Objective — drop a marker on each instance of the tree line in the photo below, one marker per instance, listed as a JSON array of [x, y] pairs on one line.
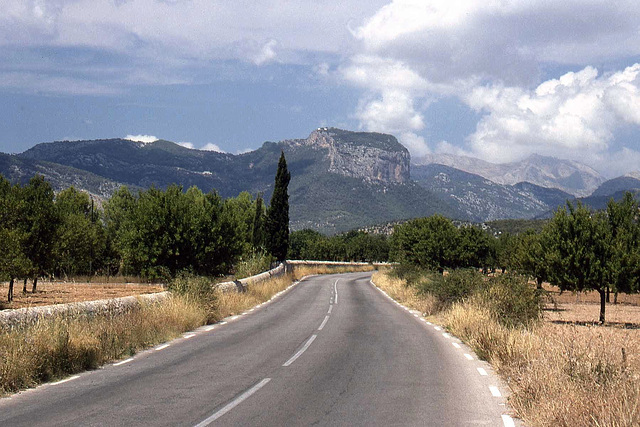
[[153, 233], [577, 250]]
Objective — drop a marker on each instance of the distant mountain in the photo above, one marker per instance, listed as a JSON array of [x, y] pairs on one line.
[[340, 179], [620, 184], [567, 175], [484, 200]]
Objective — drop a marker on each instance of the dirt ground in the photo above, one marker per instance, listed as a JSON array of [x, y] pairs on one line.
[[49, 293], [584, 308]]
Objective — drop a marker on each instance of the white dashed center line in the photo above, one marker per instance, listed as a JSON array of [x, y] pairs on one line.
[[494, 391], [123, 362], [302, 350], [235, 402], [335, 289]]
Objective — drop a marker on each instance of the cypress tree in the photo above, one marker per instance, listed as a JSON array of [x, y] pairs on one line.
[[277, 224]]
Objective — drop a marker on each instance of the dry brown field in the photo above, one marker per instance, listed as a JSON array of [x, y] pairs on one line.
[[49, 293]]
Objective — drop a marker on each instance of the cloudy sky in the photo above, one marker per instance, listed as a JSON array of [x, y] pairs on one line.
[[495, 79]]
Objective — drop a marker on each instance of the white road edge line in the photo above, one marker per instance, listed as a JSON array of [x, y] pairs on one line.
[[494, 391], [324, 322], [446, 335], [468, 356], [162, 347], [330, 308], [186, 337], [482, 372], [437, 328], [209, 328], [299, 353], [124, 361], [66, 380], [456, 345], [507, 421], [235, 402], [335, 288]]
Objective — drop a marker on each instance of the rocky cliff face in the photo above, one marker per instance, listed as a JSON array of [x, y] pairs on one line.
[[373, 157]]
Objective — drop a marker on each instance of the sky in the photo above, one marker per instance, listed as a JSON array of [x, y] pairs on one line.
[[494, 79]]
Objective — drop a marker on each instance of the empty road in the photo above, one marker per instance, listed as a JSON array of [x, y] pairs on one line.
[[332, 350]]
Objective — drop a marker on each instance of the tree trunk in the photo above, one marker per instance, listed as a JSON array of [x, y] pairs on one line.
[[35, 284], [603, 302], [615, 297], [10, 295], [608, 294], [539, 280], [24, 286], [503, 270]]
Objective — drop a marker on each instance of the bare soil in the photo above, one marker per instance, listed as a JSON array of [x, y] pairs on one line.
[[584, 308], [49, 293]]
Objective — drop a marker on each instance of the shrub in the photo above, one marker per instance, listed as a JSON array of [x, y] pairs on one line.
[[255, 263], [512, 300], [456, 286], [196, 289]]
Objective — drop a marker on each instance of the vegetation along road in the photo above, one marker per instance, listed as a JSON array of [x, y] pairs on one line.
[[332, 350]]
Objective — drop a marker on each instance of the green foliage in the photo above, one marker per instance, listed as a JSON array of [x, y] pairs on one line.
[[530, 255], [257, 230], [512, 300], [454, 287], [429, 243], [277, 224], [475, 248], [252, 264], [352, 246], [81, 241], [39, 222]]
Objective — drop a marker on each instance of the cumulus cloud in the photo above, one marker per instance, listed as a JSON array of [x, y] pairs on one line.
[[145, 139], [266, 53], [575, 115], [188, 145], [212, 147]]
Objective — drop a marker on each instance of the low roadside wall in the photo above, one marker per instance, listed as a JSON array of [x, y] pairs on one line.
[[10, 319]]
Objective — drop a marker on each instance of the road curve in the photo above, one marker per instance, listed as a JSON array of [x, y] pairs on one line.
[[333, 350]]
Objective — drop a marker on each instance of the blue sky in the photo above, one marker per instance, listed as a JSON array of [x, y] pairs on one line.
[[497, 79]]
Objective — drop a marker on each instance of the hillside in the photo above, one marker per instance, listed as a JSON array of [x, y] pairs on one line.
[[340, 179], [567, 175], [483, 200]]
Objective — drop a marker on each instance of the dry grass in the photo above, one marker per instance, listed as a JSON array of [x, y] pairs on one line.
[[60, 346], [408, 295], [301, 271], [49, 293], [560, 374]]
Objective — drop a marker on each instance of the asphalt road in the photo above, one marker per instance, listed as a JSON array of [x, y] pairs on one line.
[[332, 350]]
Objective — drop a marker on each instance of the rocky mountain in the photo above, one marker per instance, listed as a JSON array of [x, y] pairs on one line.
[[340, 179], [484, 200], [567, 175], [613, 186]]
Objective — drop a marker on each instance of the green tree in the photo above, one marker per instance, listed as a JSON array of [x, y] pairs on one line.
[[40, 222], [13, 261], [475, 248], [625, 236], [426, 242], [257, 229], [581, 251], [80, 244], [277, 224], [530, 255]]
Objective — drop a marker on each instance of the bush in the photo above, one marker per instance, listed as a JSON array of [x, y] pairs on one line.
[[411, 273], [512, 300], [196, 289], [255, 263], [456, 286]]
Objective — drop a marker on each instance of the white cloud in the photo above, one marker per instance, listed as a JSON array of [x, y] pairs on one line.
[[188, 145], [574, 116], [145, 139], [266, 53], [212, 147]]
